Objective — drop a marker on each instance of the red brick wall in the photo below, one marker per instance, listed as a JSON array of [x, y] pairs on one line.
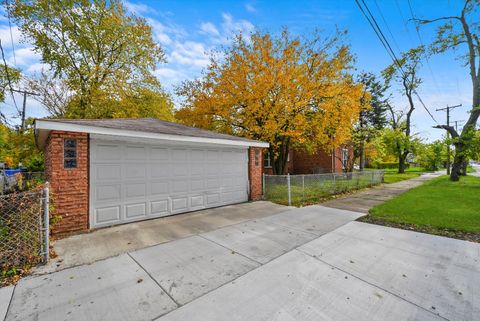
[[289, 167], [69, 186], [255, 171], [319, 162]]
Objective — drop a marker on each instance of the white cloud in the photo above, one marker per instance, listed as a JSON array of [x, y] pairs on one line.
[[139, 8], [189, 53], [250, 8], [7, 39], [209, 28], [25, 57]]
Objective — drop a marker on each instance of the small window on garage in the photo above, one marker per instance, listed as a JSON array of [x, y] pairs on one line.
[[69, 153], [257, 157], [267, 160]]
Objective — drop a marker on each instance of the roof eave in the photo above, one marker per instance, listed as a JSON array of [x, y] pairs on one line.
[[43, 127]]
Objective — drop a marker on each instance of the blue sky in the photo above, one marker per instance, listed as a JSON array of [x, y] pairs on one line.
[[187, 30]]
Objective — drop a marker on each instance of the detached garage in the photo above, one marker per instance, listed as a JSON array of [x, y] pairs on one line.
[[113, 171]]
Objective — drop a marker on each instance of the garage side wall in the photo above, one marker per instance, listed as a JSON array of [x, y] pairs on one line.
[[255, 171], [68, 186]]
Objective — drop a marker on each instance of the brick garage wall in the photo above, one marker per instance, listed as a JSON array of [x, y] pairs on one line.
[[255, 171], [69, 186]]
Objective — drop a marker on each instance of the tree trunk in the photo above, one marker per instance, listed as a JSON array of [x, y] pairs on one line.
[[402, 162], [362, 156]]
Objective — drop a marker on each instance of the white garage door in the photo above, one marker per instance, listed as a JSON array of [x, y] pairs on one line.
[[131, 181]]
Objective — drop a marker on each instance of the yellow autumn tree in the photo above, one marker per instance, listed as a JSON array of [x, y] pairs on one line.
[[286, 90]]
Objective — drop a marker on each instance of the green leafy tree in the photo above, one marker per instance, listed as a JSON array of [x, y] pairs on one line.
[[373, 116], [103, 55], [431, 156], [461, 33], [405, 73]]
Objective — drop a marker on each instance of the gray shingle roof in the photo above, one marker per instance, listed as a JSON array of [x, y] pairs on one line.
[[151, 125]]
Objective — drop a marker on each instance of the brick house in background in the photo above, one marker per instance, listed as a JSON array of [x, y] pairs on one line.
[[301, 162]]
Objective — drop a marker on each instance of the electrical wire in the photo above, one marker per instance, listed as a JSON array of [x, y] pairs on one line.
[[381, 36]]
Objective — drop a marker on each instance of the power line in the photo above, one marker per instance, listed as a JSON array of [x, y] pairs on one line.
[[378, 31], [7, 73], [11, 34], [422, 43], [386, 24]]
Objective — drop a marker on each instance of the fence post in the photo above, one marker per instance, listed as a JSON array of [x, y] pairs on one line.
[[334, 183], [303, 189], [46, 222], [289, 191], [263, 184]]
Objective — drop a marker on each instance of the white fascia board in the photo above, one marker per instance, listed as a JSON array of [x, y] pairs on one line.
[[54, 125]]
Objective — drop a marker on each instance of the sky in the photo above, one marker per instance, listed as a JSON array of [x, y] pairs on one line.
[[189, 30]]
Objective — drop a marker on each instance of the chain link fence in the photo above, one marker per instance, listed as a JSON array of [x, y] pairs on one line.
[[24, 230], [299, 190]]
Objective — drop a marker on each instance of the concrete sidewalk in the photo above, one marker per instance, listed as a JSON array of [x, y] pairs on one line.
[[364, 201], [148, 283]]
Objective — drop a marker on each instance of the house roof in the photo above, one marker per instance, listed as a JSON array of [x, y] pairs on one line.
[[141, 128]]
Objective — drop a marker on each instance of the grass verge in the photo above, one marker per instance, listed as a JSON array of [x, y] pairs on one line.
[[437, 207]]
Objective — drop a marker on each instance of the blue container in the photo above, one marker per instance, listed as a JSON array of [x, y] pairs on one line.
[[11, 171]]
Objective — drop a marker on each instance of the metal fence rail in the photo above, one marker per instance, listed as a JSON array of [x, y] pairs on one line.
[[24, 229], [310, 188]]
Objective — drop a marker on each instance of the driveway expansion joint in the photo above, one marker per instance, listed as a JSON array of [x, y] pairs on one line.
[[371, 284], [151, 277]]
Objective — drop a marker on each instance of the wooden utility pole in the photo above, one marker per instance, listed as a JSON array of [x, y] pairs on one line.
[[447, 109], [24, 107]]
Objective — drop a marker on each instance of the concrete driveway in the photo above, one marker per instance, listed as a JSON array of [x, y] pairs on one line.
[[311, 263]]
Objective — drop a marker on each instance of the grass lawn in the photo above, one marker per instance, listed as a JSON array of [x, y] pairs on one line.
[[438, 206], [392, 175]]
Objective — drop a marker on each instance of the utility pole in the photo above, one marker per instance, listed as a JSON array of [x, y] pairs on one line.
[[24, 107], [456, 124], [447, 109]]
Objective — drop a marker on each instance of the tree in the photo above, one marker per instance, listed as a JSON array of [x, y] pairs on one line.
[[97, 50], [405, 72], [430, 156], [285, 90], [372, 116], [456, 33], [53, 93]]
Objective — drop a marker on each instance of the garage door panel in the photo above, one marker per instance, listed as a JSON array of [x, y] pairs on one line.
[[197, 185], [135, 153], [180, 186], [111, 192], [180, 169], [106, 152], [197, 201], [159, 207], [159, 170], [135, 171], [135, 182], [107, 172], [135, 210], [159, 188], [135, 190], [107, 215], [159, 154], [213, 199], [179, 204]]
